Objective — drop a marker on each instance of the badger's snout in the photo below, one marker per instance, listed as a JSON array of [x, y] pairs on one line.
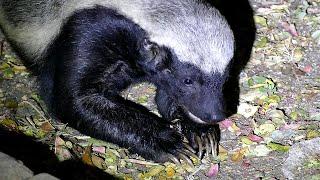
[[208, 118], [207, 111]]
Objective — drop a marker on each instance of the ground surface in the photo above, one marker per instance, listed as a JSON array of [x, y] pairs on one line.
[[274, 135]]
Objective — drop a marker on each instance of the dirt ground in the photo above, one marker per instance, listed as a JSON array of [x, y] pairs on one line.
[[274, 133]]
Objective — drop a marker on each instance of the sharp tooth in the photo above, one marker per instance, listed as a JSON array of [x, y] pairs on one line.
[[195, 118]]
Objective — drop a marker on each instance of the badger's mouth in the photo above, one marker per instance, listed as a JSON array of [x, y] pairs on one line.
[[195, 118]]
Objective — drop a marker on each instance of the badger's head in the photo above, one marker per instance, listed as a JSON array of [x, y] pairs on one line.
[[189, 60]]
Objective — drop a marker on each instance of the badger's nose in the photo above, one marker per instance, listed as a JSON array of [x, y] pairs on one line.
[[215, 117]]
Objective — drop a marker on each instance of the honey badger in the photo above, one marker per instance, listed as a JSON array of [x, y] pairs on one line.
[[86, 52]]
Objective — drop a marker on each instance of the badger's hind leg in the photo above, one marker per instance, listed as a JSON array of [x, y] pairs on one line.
[[95, 58]]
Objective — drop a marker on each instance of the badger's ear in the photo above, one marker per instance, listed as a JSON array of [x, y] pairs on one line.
[[153, 57]]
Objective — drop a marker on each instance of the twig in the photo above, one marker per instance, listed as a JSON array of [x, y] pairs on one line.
[[135, 161], [201, 167], [36, 109], [30, 121]]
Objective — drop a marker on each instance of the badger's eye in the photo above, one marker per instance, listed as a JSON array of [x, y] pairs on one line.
[[151, 46], [188, 82], [147, 44]]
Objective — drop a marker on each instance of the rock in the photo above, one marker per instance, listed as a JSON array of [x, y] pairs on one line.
[[299, 154], [43, 176], [11, 169]]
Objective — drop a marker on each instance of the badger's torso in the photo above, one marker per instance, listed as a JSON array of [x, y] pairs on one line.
[[197, 33]]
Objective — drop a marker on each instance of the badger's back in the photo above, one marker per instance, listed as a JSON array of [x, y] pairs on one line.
[[198, 34]]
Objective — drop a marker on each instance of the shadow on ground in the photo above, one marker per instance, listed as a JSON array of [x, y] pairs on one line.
[[39, 158], [239, 15]]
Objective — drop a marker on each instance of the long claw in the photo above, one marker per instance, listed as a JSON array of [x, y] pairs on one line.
[[186, 159], [216, 142], [214, 136], [208, 150], [189, 153], [189, 147], [174, 159], [200, 149], [193, 141], [213, 145]]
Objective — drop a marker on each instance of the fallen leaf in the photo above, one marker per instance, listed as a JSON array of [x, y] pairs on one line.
[[98, 162], [11, 103], [290, 28], [298, 114], [298, 54], [235, 129], [59, 142], [69, 145], [46, 126], [111, 157], [225, 124], [261, 150], [277, 117], [280, 136], [246, 140], [278, 147], [99, 149], [223, 153], [213, 171], [246, 163], [251, 95], [265, 129], [170, 172], [308, 69], [9, 123], [239, 155], [86, 157], [262, 42], [255, 138], [61, 150], [154, 171], [142, 99], [222, 149], [247, 110], [312, 134], [260, 20]]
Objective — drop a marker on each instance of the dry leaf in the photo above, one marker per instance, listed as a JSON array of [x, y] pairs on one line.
[[46, 127], [86, 157], [98, 162], [213, 171], [255, 138], [239, 155]]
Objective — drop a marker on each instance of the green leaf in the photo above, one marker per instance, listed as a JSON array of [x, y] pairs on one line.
[[262, 42], [260, 20], [278, 147]]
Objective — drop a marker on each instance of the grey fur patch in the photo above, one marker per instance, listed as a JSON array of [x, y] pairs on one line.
[[197, 33]]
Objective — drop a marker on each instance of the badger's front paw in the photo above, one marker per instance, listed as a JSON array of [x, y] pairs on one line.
[[204, 139], [170, 147]]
